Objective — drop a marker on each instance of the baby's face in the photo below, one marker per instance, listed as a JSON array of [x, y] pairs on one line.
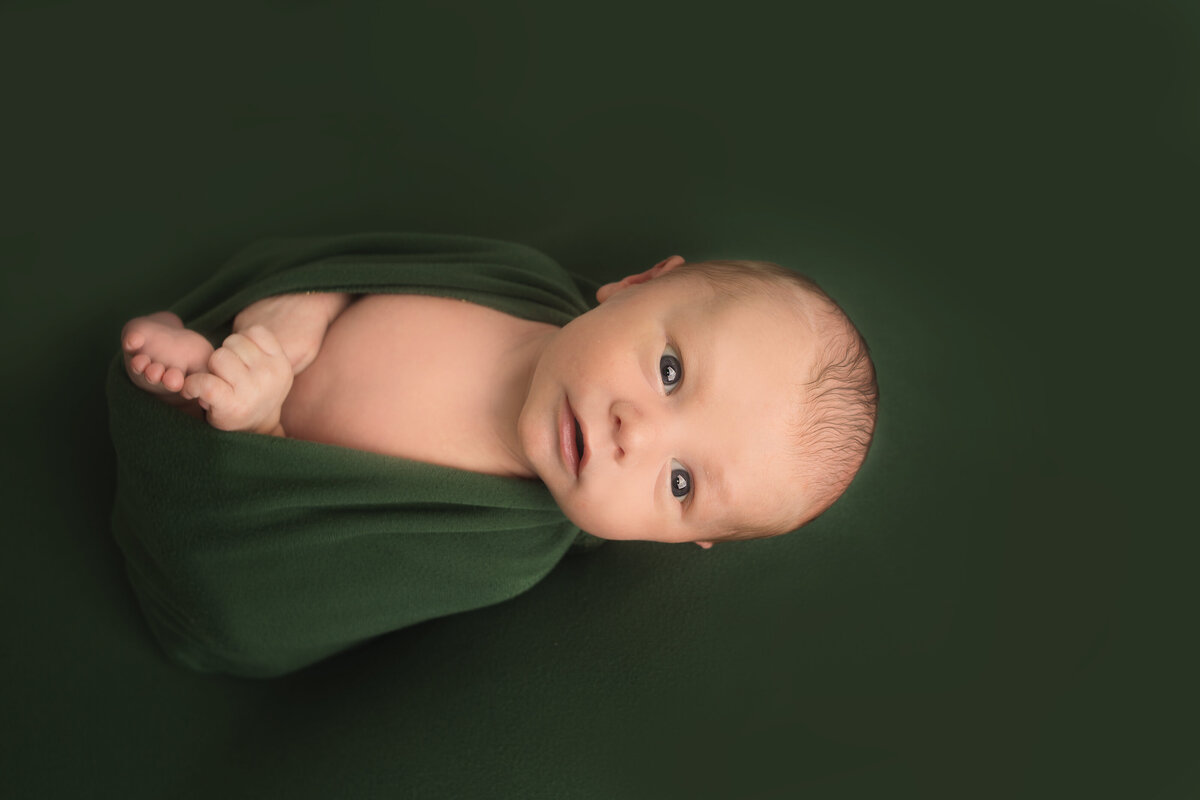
[[685, 402]]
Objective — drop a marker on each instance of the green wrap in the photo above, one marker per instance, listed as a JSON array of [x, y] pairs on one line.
[[256, 555]]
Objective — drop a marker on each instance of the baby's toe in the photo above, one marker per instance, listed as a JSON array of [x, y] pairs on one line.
[[139, 363], [154, 372], [134, 340], [172, 378]]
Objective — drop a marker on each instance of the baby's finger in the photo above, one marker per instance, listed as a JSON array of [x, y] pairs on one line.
[[245, 348], [207, 388], [264, 338], [228, 364], [249, 349]]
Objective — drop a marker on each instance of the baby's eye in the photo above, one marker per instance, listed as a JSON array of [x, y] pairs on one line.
[[670, 369], [681, 481]]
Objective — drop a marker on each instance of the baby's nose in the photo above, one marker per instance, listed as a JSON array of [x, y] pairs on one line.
[[633, 429]]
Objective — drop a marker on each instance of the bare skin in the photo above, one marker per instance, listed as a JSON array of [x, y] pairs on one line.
[[456, 384], [241, 385], [248, 377], [160, 353]]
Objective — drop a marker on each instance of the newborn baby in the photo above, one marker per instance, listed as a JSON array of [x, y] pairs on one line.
[[698, 402]]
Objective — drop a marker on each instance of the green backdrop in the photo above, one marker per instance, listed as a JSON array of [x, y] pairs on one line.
[[1003, 196]]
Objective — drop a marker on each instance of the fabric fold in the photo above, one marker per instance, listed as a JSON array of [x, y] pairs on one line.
[[256, 555]]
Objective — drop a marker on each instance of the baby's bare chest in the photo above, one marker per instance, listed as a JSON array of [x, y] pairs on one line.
[[411, 376]]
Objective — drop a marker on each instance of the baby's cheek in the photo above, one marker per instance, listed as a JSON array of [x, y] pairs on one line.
[[580, 511]]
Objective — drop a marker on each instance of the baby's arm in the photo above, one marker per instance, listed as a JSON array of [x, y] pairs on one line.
[[250, 375], [298, 321], [242, 384]]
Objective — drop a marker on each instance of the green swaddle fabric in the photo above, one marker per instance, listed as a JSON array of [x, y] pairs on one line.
[[256, 555]]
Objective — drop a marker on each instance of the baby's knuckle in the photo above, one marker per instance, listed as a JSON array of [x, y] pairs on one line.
[[224, 357]]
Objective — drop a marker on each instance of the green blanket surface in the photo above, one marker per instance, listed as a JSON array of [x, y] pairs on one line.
[[256, 555]]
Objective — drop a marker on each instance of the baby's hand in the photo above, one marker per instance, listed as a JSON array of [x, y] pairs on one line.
[[248, 378]]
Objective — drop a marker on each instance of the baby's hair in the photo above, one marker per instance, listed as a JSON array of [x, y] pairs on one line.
[[836, 424]]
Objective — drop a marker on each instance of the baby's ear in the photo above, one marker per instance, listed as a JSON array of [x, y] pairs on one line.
[[661, 268], [705, 545]]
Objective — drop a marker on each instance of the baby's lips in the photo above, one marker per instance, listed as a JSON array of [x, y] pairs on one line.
[[585, 452]]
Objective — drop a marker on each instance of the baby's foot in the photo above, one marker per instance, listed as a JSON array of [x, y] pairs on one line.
[[160, 352]]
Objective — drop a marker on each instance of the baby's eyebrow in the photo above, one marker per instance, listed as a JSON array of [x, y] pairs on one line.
[[702, 382]]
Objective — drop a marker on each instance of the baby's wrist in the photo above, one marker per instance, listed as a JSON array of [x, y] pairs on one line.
[[270, 427], [331, 304]]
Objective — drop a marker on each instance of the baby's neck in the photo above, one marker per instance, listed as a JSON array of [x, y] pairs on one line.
[[511, 380]]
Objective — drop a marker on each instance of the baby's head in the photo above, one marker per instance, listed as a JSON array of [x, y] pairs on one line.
[[832, 421], [702, 402]]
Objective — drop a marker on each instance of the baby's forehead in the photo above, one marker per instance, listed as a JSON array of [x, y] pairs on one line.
[[749, 408], [777, 320], [785, 300]]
